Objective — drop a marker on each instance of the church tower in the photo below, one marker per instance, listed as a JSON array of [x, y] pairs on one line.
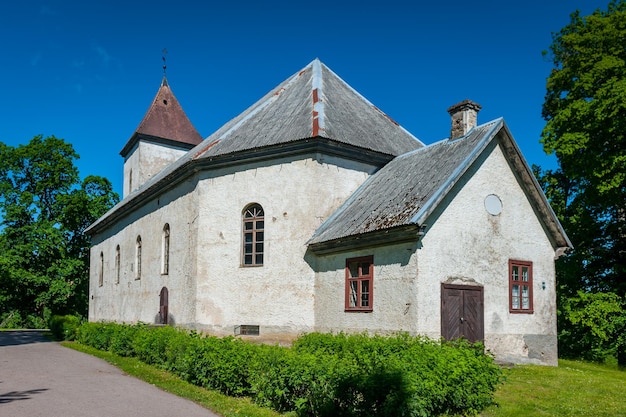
[[164, 135]]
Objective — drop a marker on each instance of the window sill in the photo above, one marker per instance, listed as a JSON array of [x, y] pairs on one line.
[[358, 310], [521, 311]]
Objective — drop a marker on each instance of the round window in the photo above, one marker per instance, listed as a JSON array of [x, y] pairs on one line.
[[493, 204]]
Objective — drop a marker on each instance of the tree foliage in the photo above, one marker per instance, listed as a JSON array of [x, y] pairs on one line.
[[45, 208], [585, 113]]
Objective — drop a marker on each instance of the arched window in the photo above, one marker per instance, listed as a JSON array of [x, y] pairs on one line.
[[117, 264], [138, 258], [253, 235], [101, 270], [165, 255]]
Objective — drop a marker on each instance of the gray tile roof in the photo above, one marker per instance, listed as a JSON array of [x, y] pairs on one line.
[[408, 187], [314, 102]]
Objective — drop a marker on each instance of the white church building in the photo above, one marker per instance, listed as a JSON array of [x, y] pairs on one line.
[[314, 211]]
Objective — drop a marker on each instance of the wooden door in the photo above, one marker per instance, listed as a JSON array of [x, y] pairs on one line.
[[462, 312], [163, 305]]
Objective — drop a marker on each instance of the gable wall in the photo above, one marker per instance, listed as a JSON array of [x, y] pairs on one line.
[[466, 245], [297, 195], [132, 300]]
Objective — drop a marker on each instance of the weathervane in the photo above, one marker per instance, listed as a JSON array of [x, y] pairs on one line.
[[164, 66]]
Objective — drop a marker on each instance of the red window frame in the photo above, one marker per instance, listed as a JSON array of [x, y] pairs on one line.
[[253, 236], [520, 287], [360, 284]]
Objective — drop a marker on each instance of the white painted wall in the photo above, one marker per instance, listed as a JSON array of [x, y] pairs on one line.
[[209, 289], [145, 160], [463, 245], [297, 195], [394, 297], [466, 244], [132, 300]]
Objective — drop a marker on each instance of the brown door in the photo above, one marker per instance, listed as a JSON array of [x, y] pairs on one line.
[[163, 305], [462, 312]]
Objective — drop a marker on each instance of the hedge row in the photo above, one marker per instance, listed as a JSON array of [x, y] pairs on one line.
[[321, 374]]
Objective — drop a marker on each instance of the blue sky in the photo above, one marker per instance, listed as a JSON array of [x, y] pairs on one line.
[[86, 71]]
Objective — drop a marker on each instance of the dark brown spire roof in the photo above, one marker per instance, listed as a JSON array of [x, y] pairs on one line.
[[165, 121]]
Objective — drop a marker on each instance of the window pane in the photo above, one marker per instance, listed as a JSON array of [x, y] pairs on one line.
[[247, 260], [515, 273], [247, 248], [525, 273], [365, 268], [260, 224], [365, 293], [259, 236], [248, 237], [354, 269], [259, 247], [353, 293], [248, 225], [525, 297], [515, 297], [259, 259]]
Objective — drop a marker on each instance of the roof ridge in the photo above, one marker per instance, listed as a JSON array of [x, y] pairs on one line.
[[317, 83]]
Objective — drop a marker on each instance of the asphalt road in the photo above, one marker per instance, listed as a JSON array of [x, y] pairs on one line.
[[42, 378]]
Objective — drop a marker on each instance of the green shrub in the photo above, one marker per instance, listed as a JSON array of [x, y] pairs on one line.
[[122, 339], [322, 374], [64, 327], [97, 335], [219, 363], [592, 327], [401, 375], [153, 345]]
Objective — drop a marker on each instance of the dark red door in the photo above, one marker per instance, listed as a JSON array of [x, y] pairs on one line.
[[163, 307], [462, 312]]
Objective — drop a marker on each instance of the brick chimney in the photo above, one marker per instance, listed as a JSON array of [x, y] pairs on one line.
[[464, 117]]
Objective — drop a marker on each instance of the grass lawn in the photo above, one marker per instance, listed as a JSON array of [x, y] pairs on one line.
[[570, 390]]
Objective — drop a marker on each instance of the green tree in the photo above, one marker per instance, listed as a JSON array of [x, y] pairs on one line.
[[585, 113], [45, 208]]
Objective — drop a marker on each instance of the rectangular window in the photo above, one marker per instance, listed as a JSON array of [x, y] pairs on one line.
[[117, 264], [359, 284], [101, 270], [520, 286]]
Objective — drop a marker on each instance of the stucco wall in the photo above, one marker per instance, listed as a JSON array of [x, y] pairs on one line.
[[209, 289], [394, 294], [132, 300], [464, 244], [145, 160], [297, 195]]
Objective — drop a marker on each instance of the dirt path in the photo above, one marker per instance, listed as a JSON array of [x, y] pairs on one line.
[[42, 378]]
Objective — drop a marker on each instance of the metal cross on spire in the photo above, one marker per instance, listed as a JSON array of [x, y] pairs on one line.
[[164, 64]]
